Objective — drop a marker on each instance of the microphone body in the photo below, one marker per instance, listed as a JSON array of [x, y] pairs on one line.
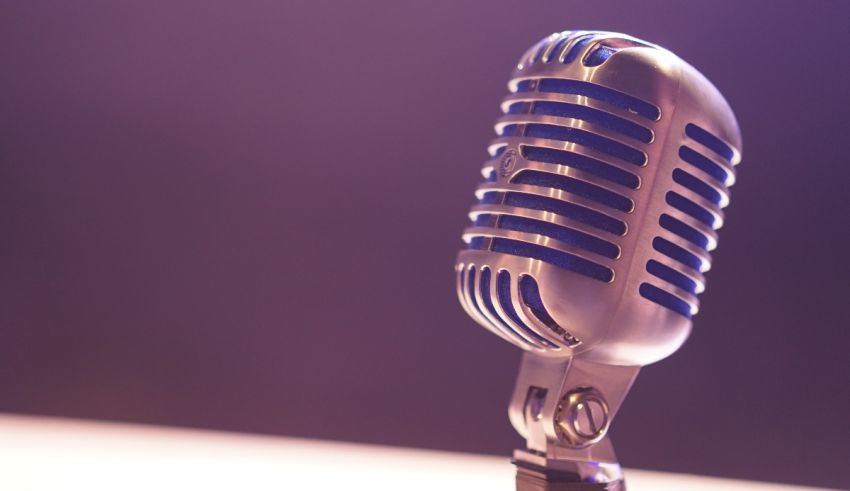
[[592, 233]]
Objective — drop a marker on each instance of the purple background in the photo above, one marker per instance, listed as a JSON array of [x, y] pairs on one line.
[[244, 216]]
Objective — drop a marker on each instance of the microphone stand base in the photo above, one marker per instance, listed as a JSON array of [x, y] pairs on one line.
[[532, 478], [535, 472]]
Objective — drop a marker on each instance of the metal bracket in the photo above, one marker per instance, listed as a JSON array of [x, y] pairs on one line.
[[564, 407]]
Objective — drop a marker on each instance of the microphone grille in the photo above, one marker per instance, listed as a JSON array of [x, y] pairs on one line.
[[576, 161], [699, 191]]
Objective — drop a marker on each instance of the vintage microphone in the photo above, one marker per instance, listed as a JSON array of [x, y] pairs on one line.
[[592, 234]]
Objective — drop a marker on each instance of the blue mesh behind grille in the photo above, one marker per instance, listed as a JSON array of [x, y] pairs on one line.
[[470, 288], [483, 221], [710, 141], [598, 92], [551, 256], [530, 295], [585, 113], [665, 299], [569, 210], [703, 163], [602, 52], [672, 276], [705, 188], [683, 230], [581, 137], [490, 198], [687, 206], [596, 57], [488, 301], [503, 288], [556, 50], [577, 47], [697, 185], [477, 243], [581, 162], [564, 234], [575, 186], [599, 55], [677, 253], [518, 108]]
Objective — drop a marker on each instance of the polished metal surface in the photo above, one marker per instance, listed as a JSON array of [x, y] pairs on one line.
[[582, 416], [594, 227]]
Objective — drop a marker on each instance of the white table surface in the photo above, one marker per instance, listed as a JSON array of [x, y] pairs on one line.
[[38, 453]]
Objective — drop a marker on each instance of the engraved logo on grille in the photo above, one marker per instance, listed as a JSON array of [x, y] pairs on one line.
[[507, 162]]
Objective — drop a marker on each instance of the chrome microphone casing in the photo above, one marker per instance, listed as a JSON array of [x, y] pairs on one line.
[[604, 191]]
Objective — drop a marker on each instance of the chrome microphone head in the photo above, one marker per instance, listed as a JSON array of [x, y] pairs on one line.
[[593, 230], [602, 197]]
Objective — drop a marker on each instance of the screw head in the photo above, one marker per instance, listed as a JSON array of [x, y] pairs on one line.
[[582, 417]]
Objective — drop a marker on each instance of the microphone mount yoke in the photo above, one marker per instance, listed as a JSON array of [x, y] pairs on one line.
[[564, 407]]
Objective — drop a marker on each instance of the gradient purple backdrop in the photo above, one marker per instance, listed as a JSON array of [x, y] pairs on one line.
[[244, 216]]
